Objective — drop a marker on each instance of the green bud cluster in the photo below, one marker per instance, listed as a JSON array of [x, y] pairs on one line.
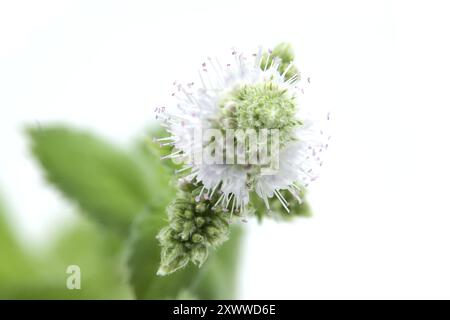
[[264, 106], [285, 53], [194, 227], [261, 106]]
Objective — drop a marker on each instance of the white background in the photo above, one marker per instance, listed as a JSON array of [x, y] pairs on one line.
[[381, 224]]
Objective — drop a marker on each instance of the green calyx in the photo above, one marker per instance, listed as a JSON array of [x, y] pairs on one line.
[[194, 227]]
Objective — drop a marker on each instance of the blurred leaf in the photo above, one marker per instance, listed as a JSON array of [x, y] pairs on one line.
[[16, 267], [159, 172], [96, 252], [106, 182], [143, 259], [14, 262], [186, 295], [43, 274], [219, 279]]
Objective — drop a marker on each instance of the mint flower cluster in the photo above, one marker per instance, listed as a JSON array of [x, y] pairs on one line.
[[261, 106], [258, 92], [195, 226]]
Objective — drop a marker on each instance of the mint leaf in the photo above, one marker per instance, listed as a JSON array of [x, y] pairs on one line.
[[44, 276], [219, 280], [15, 264], [107, 183]]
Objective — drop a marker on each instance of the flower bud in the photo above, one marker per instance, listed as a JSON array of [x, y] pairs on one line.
[[201, 207], [284, 51], [199, 221], [197, 238]]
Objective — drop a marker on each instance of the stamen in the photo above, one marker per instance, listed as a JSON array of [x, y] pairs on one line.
[[295, 195], [281, 200], [172, 155], [229, 196], [167, 144], [232, 208], [217, 202], [214, 189], [182, 169], [287, 69], [201, 191], [267, 61], [163, 139]]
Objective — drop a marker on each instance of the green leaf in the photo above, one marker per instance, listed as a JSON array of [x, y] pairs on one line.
[[94, 250], [186, 295], [159, 172], [98, 253], [107, 183], [14, 261], [218, 279], [18, 272], [143, 258], [41, 275]]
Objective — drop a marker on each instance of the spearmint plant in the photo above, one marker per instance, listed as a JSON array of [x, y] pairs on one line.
[[261, 94], [242, 143]]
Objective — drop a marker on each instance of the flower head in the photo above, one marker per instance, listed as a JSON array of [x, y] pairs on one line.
[[260, 92]]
